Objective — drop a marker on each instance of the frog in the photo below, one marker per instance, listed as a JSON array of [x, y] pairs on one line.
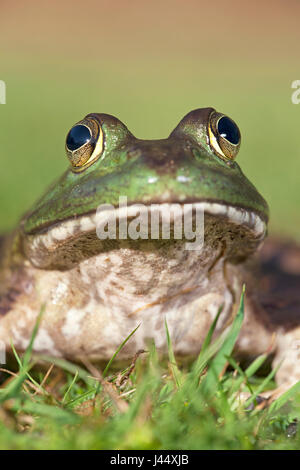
[[96, 289]]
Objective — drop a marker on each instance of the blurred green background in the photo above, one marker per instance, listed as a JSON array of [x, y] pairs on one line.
[[149, 63]]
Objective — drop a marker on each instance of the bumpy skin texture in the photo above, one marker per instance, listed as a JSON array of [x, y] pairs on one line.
[[96, 292]]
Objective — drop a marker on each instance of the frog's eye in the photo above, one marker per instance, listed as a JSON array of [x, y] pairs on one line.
[[77, 137], [84, 143], [224, 136]]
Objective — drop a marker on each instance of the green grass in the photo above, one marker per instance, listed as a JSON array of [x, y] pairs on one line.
[[151, 404]]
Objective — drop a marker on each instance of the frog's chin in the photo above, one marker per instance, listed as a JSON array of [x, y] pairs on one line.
[[80, 238]]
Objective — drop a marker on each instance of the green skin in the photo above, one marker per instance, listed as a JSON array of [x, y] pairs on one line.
[[127, 164], [97, 294]]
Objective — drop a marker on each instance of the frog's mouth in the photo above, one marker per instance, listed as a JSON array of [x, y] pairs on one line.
[[66, 243]]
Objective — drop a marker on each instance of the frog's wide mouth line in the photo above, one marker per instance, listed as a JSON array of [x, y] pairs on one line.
[[73, 228]]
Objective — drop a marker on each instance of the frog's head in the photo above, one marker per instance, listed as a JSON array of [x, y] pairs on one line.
[[195, 164]]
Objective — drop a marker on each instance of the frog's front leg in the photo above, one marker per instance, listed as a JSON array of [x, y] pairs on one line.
[[287, 358], [280, 298], [284, 348], [272, 314]]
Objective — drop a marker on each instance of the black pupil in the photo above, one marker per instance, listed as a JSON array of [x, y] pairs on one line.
[[78, 136], [228, 130]]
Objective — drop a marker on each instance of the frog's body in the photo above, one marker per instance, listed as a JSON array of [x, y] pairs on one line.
[[96, 291]]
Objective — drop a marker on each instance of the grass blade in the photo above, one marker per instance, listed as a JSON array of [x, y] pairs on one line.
[[70, 387], [218, 363], [284, 398], [208, 338], [262, 386], [118, 350], [172, 360], [251, 370]]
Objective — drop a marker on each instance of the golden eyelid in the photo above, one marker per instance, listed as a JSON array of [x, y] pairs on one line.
[[89, 152]]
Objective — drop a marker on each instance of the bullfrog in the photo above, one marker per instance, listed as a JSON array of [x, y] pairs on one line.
[[96, 288]]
